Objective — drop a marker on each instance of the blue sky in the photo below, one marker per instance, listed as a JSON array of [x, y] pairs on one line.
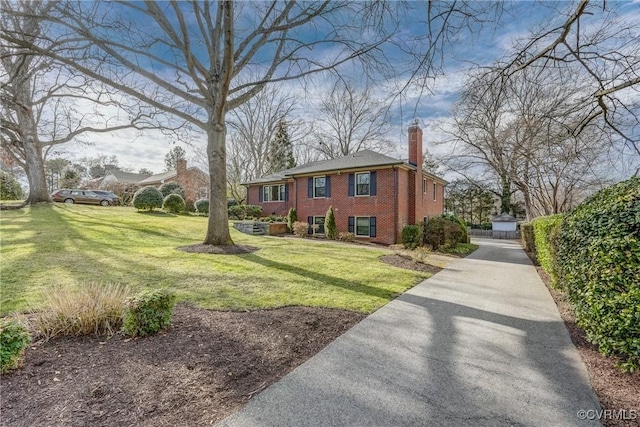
[[488, 43]]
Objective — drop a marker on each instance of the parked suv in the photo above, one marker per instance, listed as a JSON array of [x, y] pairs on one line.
[[108, 195], [80, 196]]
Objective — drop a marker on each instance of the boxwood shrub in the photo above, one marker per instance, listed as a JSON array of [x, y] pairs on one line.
[[173, 203], [171, 188], [599, 268], [14, 338], [545, 233], [202, 206], [147, 198], [411, 236], [148, 312], [527, 237]]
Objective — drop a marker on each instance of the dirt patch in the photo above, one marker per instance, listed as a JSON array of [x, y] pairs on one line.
[[218, 250], [618, 392], [205, 367], [408, 263]]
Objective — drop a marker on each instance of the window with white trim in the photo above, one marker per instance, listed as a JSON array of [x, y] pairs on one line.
[[363, 181], [363, 226], [424, 185], [273, 193], [435, 189], [319, 186]]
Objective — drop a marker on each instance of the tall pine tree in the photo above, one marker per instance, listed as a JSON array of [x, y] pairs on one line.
[[280, 155]]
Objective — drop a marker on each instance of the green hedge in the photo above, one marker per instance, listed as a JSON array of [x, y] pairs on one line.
[[528, 241], [599, 268], [411, 236], [14, 338], [148, 312], [545, 232]]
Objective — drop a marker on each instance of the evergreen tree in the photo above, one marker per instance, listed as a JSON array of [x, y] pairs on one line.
[[10, 189], [172, 157], [280, 155], [70, 178], [330, 228]]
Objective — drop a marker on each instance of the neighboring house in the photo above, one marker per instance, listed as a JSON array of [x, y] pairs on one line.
[[194, 181], [373, 195], [118, 177]]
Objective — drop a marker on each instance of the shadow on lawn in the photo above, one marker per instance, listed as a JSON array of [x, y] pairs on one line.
[[323, 278]]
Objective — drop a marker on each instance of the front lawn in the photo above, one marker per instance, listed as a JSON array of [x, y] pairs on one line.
[[73, 244]]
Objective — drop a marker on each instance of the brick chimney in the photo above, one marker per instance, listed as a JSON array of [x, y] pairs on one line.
[[416, 197], [181, 167]]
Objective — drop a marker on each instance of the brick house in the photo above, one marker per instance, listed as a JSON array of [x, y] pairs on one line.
[[193, 180], [373, 195]]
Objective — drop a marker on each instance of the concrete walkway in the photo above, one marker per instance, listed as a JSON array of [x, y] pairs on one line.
[[479, 344]]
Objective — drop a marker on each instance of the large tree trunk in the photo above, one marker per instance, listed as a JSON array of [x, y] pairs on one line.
[[218, 228], [34, 163], [38, 191]]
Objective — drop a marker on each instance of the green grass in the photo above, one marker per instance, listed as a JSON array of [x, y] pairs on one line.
[[461, 249], [71, 245]]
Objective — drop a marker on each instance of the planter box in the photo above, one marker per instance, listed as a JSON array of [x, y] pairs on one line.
[[258, 228]]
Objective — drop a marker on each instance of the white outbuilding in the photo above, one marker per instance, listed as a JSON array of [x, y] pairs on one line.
[[504, 226]]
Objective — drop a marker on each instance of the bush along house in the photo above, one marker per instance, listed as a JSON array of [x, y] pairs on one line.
[[373, 195]]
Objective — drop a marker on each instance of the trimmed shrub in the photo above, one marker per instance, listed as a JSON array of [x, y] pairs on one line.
[[272, 218], [202, 206], [544, 231], [148, 312], [300, 229], [345, 236], [440, 232], [90, 309], [599, 268], [253, 211], [232, 202], [411, 236], [528, 241], [330, 228], [147, 198], [14, 338], [244, 211], [463, 227], [292, 217], [172, 188], [10, 189], [173, 203]]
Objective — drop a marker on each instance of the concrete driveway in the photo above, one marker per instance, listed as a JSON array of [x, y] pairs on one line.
[[479, 344]]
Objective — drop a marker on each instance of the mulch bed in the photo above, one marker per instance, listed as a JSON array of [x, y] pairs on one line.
[[617, 391], [205, 367], [408, 263]]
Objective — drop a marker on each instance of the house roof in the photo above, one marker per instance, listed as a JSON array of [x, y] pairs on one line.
[[504, 217], [128, 177], [361, 159], [158, 177]]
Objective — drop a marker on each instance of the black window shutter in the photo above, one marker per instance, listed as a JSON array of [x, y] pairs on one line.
[[310, 188], [310, 221], [352, 180], [351, 222], [372, 184], [372, 226], [261, 193], [327, 188], [286, 192]]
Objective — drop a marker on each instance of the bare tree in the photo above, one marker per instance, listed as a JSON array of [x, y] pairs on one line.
[[518, 129], [600, 40], [195, 60], [43, 103], [350, 120]]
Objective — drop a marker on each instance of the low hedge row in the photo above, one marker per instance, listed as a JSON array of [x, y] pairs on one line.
[[545, 233]]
